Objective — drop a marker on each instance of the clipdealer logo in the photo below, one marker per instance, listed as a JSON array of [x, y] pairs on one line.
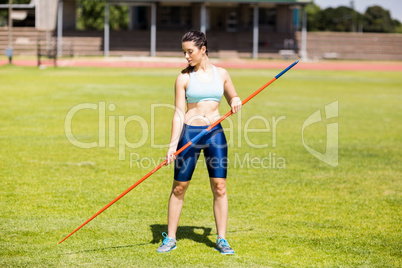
[[115, 131], [330, 156]]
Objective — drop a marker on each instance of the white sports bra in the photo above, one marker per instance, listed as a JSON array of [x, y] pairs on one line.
[[198, 91]]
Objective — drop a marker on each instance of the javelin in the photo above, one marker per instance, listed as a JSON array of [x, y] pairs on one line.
[[192, 141]]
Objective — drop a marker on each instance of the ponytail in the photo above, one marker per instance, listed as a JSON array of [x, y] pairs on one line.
[[187, 70]]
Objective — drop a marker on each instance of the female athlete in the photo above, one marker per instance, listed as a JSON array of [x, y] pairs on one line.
[[201, 85]]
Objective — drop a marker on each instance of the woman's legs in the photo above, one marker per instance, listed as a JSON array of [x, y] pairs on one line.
[[175, 205], [221, 207]]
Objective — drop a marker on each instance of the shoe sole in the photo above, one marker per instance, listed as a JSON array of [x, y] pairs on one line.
[[168, 250], [223, 253]]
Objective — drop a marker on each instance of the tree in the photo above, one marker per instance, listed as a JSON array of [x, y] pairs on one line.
[[15, 1], [312, 11], [346, 19], [340, 19], [91, 15], [4, 12], [398, 28], [377, 19]]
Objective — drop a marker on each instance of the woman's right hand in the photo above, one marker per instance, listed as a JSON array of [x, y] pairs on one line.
[[170, 157]]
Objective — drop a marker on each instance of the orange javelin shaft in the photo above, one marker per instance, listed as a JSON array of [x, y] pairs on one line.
[[194, 140]]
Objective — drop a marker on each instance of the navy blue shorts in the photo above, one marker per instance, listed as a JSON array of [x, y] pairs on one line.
[[215, 150]]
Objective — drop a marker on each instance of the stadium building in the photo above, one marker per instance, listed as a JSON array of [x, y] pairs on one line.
[[235, 28]]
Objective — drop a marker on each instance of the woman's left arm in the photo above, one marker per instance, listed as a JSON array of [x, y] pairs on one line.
[[230, 91]]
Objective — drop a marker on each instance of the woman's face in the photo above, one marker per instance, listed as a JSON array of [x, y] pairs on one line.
[[192, 53]]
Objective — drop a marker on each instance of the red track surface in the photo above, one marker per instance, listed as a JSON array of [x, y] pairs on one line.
[[246, 64]]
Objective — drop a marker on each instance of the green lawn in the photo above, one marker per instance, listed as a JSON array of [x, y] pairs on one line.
[[296, 212]]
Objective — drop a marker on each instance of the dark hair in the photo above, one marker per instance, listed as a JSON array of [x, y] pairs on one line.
[[200, 40]]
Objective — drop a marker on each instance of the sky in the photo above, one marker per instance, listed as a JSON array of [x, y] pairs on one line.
[[394, 6]]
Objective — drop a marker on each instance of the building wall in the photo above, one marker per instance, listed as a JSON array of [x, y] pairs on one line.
[[69, 14], [356, 46], [320, 45], [232, 18], [283, 19]]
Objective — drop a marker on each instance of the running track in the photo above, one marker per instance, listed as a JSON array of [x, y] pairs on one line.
[[146, 62]]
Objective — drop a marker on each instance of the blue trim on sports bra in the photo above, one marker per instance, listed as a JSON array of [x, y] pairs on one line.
[[198, 91]]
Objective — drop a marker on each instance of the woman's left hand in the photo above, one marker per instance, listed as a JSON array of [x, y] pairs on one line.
[[235, 104]]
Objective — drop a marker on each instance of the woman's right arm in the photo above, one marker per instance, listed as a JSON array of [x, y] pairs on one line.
[[178, 116]]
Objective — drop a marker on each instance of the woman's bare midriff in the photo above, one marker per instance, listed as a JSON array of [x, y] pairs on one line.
[[202, 113]]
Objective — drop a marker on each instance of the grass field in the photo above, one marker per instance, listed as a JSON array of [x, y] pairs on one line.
[[296, 212]]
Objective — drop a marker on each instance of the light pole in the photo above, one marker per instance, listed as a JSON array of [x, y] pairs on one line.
[[9, 50], [352, 6]]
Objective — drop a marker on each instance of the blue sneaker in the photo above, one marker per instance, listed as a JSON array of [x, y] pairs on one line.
[[222, 246], [168, 244]]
